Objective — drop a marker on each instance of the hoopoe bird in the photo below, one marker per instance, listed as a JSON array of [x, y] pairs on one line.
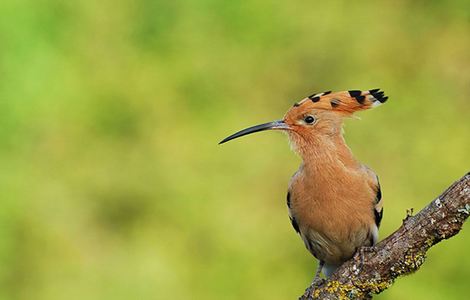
[[334, 201]]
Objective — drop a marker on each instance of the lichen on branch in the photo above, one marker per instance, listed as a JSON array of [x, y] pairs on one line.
[[374, 269]]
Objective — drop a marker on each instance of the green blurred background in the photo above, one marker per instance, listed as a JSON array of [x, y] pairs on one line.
[[113, 185]]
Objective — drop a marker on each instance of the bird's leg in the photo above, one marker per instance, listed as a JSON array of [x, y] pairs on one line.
[[320, 267], [317, 280]]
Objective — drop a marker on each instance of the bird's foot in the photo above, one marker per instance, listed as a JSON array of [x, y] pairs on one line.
[[362, 251], [317, 281]]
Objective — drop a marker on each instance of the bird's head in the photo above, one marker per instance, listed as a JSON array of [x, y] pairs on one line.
[[318, 116]]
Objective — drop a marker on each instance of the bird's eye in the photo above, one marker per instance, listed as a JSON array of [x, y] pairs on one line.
[[309, 119]]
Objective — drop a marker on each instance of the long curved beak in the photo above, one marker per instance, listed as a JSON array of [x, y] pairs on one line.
[[275, 125]]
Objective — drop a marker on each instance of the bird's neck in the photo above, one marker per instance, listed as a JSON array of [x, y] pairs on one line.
[[327, 154]]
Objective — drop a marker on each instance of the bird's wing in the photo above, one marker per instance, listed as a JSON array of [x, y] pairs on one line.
[[378, 205], [291, 217], [377, 202]]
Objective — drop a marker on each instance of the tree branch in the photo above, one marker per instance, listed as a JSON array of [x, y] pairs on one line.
[[403, 252]]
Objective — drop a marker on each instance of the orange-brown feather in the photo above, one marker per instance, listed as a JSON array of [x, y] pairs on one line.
[[343, 102], [332, 195], [332, 200]]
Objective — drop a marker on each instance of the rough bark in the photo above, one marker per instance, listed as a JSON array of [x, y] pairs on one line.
[[372, 270]]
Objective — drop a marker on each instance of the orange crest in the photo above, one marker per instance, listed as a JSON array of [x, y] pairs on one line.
[[346, 102]]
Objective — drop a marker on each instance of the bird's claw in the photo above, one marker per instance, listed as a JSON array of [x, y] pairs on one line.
[[317, 281], [363, 250]]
